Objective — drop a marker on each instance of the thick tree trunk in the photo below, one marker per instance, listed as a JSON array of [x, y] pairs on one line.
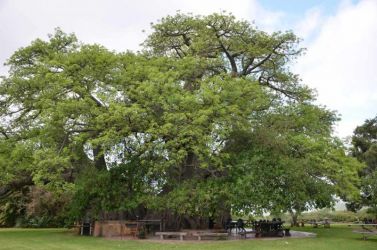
[[294, 216], [173, 221], [99, 158], [189, 169], [223, 217]]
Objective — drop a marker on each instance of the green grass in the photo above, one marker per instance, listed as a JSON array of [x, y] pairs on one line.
[[339, 237]]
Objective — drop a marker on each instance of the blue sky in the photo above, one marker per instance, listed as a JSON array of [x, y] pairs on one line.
[[340, 37], [294, 10], [297, 7]]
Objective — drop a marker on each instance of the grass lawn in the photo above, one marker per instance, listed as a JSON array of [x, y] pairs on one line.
[[338, 237]]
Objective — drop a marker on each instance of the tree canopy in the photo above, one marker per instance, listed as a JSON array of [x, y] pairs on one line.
[[208, 119], [364, 148]]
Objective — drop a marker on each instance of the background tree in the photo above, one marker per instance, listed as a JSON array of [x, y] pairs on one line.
[[364, 142]]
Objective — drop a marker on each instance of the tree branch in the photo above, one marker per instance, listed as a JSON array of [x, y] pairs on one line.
[[249, 70], [16, 184]]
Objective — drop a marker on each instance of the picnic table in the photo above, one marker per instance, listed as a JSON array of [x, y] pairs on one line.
[[267, 228], [239, 225], [233, 224], [325, 223], [366, 229], [261, 228]]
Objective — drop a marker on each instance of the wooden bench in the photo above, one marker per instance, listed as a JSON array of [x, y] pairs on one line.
[[209, 234], [162, 234]]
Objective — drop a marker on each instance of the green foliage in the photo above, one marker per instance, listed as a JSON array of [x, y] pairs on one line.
[[13, 208], [333, 216], [364, 142], [33, 207], [291, 162], [119, 189], [228, 45], [46, 208]]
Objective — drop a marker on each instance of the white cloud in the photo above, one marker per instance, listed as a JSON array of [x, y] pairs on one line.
[[341, 64], [310, 23]]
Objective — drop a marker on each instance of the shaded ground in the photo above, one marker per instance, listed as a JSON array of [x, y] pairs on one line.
[[334, 238], [233, 236]]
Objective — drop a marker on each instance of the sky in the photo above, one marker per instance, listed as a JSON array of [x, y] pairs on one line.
[[340, 37]]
